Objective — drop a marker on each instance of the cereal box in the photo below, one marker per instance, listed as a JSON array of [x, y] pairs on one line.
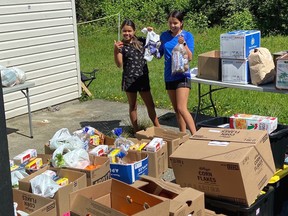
[[253, 122]]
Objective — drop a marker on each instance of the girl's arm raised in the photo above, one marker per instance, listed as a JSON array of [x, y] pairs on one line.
[[117, 53]]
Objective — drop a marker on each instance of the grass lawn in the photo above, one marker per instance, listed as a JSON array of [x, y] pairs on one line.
[[96, 51]]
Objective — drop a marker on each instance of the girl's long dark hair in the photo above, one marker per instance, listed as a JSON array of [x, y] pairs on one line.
[[135, 42], [178, 15]]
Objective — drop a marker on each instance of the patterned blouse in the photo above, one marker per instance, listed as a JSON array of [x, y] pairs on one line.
[[134, 64]]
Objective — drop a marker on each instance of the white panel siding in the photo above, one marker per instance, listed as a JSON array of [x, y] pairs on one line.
[[40, 37]]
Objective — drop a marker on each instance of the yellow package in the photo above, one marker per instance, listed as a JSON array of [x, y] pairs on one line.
[[94, 140], [112, 155], [14, 167], [34, 164], [142, 146], [62, 181]]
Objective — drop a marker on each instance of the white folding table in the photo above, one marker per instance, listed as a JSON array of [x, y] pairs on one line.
[[24, 88], [222, 85]]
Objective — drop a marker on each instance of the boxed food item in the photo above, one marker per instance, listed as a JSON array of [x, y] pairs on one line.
[[183, 201], [209, 65], [228, 164], [238, 44], [77, 180], [115, 198], [25, 156], [235, 71], [32, 204], [281, 72], [174, 139], [253, 122], [157, 161]]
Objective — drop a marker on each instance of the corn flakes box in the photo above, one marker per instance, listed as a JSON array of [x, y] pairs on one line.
[[253, 122]]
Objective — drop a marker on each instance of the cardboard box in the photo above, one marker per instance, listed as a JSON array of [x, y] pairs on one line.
[[253, 122], [281, 72], [183, 201], [135, 165], [229, 164], [157, 161], [98, 174], [115, 198], [174, 139], [209, 65], [235, 71], [77, 180], [33, 204], [277, 55], [238, 44]]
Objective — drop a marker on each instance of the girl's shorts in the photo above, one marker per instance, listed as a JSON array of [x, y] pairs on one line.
[[140, 84], [181, 83]]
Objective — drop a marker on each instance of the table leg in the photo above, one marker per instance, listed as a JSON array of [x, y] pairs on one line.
[[211, 100], [199, 103], [29, 110]]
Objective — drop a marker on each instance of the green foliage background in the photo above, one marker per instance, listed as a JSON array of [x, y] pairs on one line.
[[96, 41]]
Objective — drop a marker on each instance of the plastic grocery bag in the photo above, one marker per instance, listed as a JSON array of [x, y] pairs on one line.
[[152, 45], [17, 175], [180, 63], [12, 76], [77, 158], [44, 186], [62, 137]]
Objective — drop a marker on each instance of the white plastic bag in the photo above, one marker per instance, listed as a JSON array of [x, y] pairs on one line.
[[8, 77], [21, 76], [44, 186], [152, 45], [180, 63], [62, 137], [17, 175], [12, 76], [77, 158]]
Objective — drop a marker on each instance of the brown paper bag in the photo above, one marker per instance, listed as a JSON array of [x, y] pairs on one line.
[[262, 67]]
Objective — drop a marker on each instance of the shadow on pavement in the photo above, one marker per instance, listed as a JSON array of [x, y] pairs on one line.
[[11, 130], [169, 119], [104, 126]]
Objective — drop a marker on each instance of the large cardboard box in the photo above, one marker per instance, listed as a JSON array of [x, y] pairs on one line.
[[235, 71], [135, 164], [77, 180], [174, 139], [183, 201], [99, 174], [116, 198], [229, 164], [281, 72], [157, 161], [33, 204], [209, 65], [238, 44]]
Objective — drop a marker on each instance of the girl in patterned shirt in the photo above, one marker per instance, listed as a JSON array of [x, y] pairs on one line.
[[129, 54]]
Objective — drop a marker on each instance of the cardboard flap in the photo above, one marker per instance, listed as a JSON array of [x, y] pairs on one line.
[[131, 200], [162, 184], [232, 135], [102, 189]]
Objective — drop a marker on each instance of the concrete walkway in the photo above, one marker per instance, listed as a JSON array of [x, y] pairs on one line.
[[100, 114]]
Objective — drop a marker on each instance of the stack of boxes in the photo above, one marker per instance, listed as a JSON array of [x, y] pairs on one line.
[[230, 64], [235, 48]]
